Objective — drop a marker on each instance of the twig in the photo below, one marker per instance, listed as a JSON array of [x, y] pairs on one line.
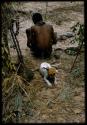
[[37, 69], [46, 10], [11, 88], [24, 80], [55, 65], [25, 92], [76, 56]]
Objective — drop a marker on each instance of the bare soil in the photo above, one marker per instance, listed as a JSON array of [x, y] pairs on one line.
[[64, 103]]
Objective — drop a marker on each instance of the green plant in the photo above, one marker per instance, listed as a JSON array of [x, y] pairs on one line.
[[78, 30], [71, 51], [6, 16]]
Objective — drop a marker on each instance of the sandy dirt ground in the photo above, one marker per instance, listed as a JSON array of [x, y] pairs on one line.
[[52, 6], [61, 104]]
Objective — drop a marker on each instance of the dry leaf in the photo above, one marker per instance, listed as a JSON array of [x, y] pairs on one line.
[[77, 111], [77, 98]]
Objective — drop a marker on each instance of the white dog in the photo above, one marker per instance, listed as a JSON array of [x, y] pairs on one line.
[[48, 72]]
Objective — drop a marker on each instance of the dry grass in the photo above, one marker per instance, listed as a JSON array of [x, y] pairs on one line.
[[64, 103]]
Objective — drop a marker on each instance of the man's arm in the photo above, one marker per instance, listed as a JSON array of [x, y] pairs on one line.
[[28, 33], [54, 37]]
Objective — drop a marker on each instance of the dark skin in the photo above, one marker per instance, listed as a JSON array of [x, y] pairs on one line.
[[40, 39]]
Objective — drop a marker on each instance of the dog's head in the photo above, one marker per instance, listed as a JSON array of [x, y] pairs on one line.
[[51, 74]]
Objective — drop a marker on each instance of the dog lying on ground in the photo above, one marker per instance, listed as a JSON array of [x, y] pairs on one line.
[[48, 72]]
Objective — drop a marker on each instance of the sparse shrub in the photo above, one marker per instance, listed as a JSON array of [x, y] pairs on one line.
[[78, 30]]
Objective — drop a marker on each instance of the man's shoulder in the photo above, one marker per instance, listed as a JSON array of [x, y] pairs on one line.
[[36, 27], [29, 29], [48, 25], [33, 27]]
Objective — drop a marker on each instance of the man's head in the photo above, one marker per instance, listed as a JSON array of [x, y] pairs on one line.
[[37, 17]]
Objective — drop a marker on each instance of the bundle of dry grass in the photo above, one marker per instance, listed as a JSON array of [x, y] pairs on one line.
[[14, 91]]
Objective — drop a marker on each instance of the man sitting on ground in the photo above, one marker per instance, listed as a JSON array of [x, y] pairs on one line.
[[40, 37]]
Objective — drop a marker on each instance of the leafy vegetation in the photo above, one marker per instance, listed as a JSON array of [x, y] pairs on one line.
[[78, 30], [7, 14], [6, 17]]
